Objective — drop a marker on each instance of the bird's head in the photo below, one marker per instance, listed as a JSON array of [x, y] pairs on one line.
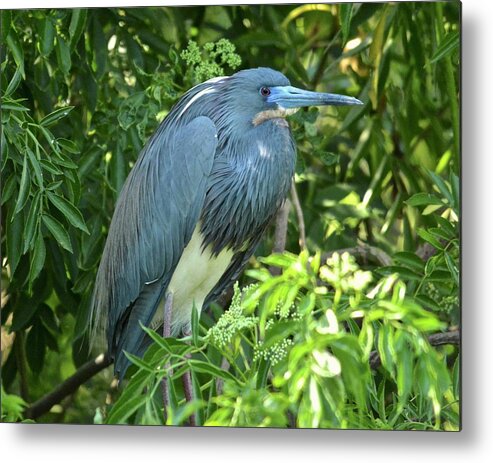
[[262, 94]]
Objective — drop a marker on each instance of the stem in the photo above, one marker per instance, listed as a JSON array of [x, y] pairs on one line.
[[280, 233], [299, 215], [168, 308], [450, 83]]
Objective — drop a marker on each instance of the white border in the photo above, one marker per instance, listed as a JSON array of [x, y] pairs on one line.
[[62, 443]]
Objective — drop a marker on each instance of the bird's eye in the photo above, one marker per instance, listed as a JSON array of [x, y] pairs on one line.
[[265, 91]]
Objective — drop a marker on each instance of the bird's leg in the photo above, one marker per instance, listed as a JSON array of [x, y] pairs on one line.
[[188, 388], [168, 308]]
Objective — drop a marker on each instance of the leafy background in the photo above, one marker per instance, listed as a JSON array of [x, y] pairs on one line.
[[354, 324]]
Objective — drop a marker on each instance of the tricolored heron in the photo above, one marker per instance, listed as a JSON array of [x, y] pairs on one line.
[[196, 203]]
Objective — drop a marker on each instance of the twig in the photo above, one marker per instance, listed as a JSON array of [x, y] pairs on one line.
[[364, 252], [281, 227], [69, 386], [188, 391], [280, 232], [187, 385], [437, 339], [168, 307], [299, 215]]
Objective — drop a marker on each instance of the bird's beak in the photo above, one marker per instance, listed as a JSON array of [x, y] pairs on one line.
[[292, 97]]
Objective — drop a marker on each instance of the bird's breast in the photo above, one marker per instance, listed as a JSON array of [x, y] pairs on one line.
[[197, 273], [248, 183]]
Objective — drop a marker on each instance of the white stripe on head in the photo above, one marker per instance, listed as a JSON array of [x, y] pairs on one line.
[[206, 91]]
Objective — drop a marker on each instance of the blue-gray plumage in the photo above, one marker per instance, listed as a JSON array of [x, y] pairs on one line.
[[197, 202]]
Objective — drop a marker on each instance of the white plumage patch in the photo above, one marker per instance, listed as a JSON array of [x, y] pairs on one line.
[[195, 98], [196, 274]]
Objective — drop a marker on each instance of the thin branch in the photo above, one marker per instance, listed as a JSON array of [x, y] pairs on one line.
[[280, 232], [299, 215], [364, 252], [437, 339], [167, 316], [281, 227], [69, 386]]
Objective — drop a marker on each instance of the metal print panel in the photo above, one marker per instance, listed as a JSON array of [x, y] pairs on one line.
[[232, 216]]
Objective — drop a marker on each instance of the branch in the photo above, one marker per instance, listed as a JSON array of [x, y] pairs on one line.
[[299, 215], [280, 232], [437, 339], [365, 252], [69, 386]]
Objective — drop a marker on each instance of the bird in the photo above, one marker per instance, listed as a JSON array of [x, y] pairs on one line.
[[196, 204]]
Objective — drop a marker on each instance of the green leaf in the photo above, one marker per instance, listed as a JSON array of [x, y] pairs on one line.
[[442, 187], [36, 167], [65, 161], [424, 199], [454, 181], [68, 145], [55, 116], [36, 347], [31, 222], [140, 363], [411, 260], [375, 54], [63, 55], [38, 258], [345, 15], [404, 368], [427, 236], [24, 188], [77, 24], [403, 272], [329, 159], [17, 52], [427, 302], [13, 84], [204, 367], [452, 268], [8, 188], [13, 106], [99, 48], [5, 24], [23, 312], [58, 232], [50, 167], [47, 37], [54, 185], [71, 213], [124, 409], [14, 240], [448, 44]]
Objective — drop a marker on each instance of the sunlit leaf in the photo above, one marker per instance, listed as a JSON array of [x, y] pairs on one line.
[[448, 44]]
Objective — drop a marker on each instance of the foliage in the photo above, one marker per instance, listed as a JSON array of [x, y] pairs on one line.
[[82, 91]]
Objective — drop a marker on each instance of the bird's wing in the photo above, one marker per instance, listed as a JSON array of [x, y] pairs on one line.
[[155, 215]]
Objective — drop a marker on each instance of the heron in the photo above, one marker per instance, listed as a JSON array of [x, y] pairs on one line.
[[196, 203]]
